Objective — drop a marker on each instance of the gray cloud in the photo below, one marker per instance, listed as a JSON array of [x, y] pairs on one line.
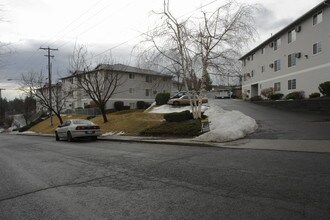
[[266, 21], [26, 57]]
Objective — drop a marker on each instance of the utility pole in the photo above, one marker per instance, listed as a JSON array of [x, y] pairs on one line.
[[49, 80]]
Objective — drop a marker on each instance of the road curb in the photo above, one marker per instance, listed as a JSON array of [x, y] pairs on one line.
[[306, 146]]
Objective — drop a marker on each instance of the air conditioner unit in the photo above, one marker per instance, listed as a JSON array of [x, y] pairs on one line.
[[298, 55], [271, 65], [298, 28], [271, 44]]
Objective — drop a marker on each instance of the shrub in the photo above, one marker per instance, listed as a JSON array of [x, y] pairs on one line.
[[141, 105], [256, 98], [126, 107], [267, 92], [314, 95], [162, 98], [276, 96], [178, 116], [325, 88], [189, 128], [118, 105], [295, 95]]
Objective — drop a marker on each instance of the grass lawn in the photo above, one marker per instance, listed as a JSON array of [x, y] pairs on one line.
[[131, 122]]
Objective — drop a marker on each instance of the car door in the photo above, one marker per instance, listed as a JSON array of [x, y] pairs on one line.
[[61, 131], [185, 100]]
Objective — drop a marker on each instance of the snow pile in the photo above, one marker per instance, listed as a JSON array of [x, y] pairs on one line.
[[227, 126], [169, 109], [28, 132], [113, 134], [224, 126]]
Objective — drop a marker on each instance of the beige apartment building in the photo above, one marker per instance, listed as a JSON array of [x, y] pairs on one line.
[[297, 58]]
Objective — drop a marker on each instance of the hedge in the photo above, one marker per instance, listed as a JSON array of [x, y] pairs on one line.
[[178, 116]]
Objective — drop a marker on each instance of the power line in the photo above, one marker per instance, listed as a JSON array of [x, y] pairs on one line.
[[87, 30], [143, 33], [94, 26], [72, 22], [80, 16]]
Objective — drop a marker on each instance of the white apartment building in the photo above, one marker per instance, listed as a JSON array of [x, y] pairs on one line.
[[297, 58], [139, 85]]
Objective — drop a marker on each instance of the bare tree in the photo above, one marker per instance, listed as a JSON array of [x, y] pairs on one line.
[[33, 84], [29, 108], [209, 44], [158, 61], [221, 36], [100, 83]]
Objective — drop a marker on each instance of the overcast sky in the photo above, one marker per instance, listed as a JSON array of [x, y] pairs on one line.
[[104, 26]]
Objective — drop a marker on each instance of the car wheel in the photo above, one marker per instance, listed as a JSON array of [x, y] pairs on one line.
[[176, 103], [57, 138], [69, 136]]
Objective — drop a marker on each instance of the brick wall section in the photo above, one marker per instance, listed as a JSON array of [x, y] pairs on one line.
[[317, 106]]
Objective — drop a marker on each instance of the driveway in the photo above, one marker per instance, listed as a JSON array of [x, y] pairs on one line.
[[280, 124]]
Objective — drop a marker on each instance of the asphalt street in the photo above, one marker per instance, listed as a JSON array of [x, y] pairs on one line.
[[45, 179], [280, 124]]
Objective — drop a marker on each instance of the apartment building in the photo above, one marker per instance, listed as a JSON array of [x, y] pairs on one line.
[[297, 58], [137, 85]]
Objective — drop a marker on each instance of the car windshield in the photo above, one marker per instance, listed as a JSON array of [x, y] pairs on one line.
[[86, 122]]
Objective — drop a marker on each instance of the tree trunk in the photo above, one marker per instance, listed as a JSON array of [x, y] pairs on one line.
[[104, 115], [59, 117]]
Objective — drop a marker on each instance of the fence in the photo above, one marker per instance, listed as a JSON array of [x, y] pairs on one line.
[[86, 111]]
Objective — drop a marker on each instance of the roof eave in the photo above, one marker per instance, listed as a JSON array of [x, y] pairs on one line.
[[320, 6]]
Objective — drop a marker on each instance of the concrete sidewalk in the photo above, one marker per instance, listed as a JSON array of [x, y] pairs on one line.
[[316, 146]]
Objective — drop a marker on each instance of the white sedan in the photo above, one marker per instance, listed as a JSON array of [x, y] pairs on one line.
[[77, 128]]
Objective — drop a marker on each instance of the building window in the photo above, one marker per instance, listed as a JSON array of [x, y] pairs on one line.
[[131, 75], [244, 62], [317, 48], [148, 92], [317, 18], [292, 35], [262, 50], [292, 59], [292, 84], [277, 86], [277, 65], [277, 43], [131, 90], [148, 79], [132, 105], [262, 69], [252, 55], [252, 73]]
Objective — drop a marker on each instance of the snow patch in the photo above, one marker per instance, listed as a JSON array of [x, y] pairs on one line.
[[227, 126], [224, 125], [169, 109], [113, 134]]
